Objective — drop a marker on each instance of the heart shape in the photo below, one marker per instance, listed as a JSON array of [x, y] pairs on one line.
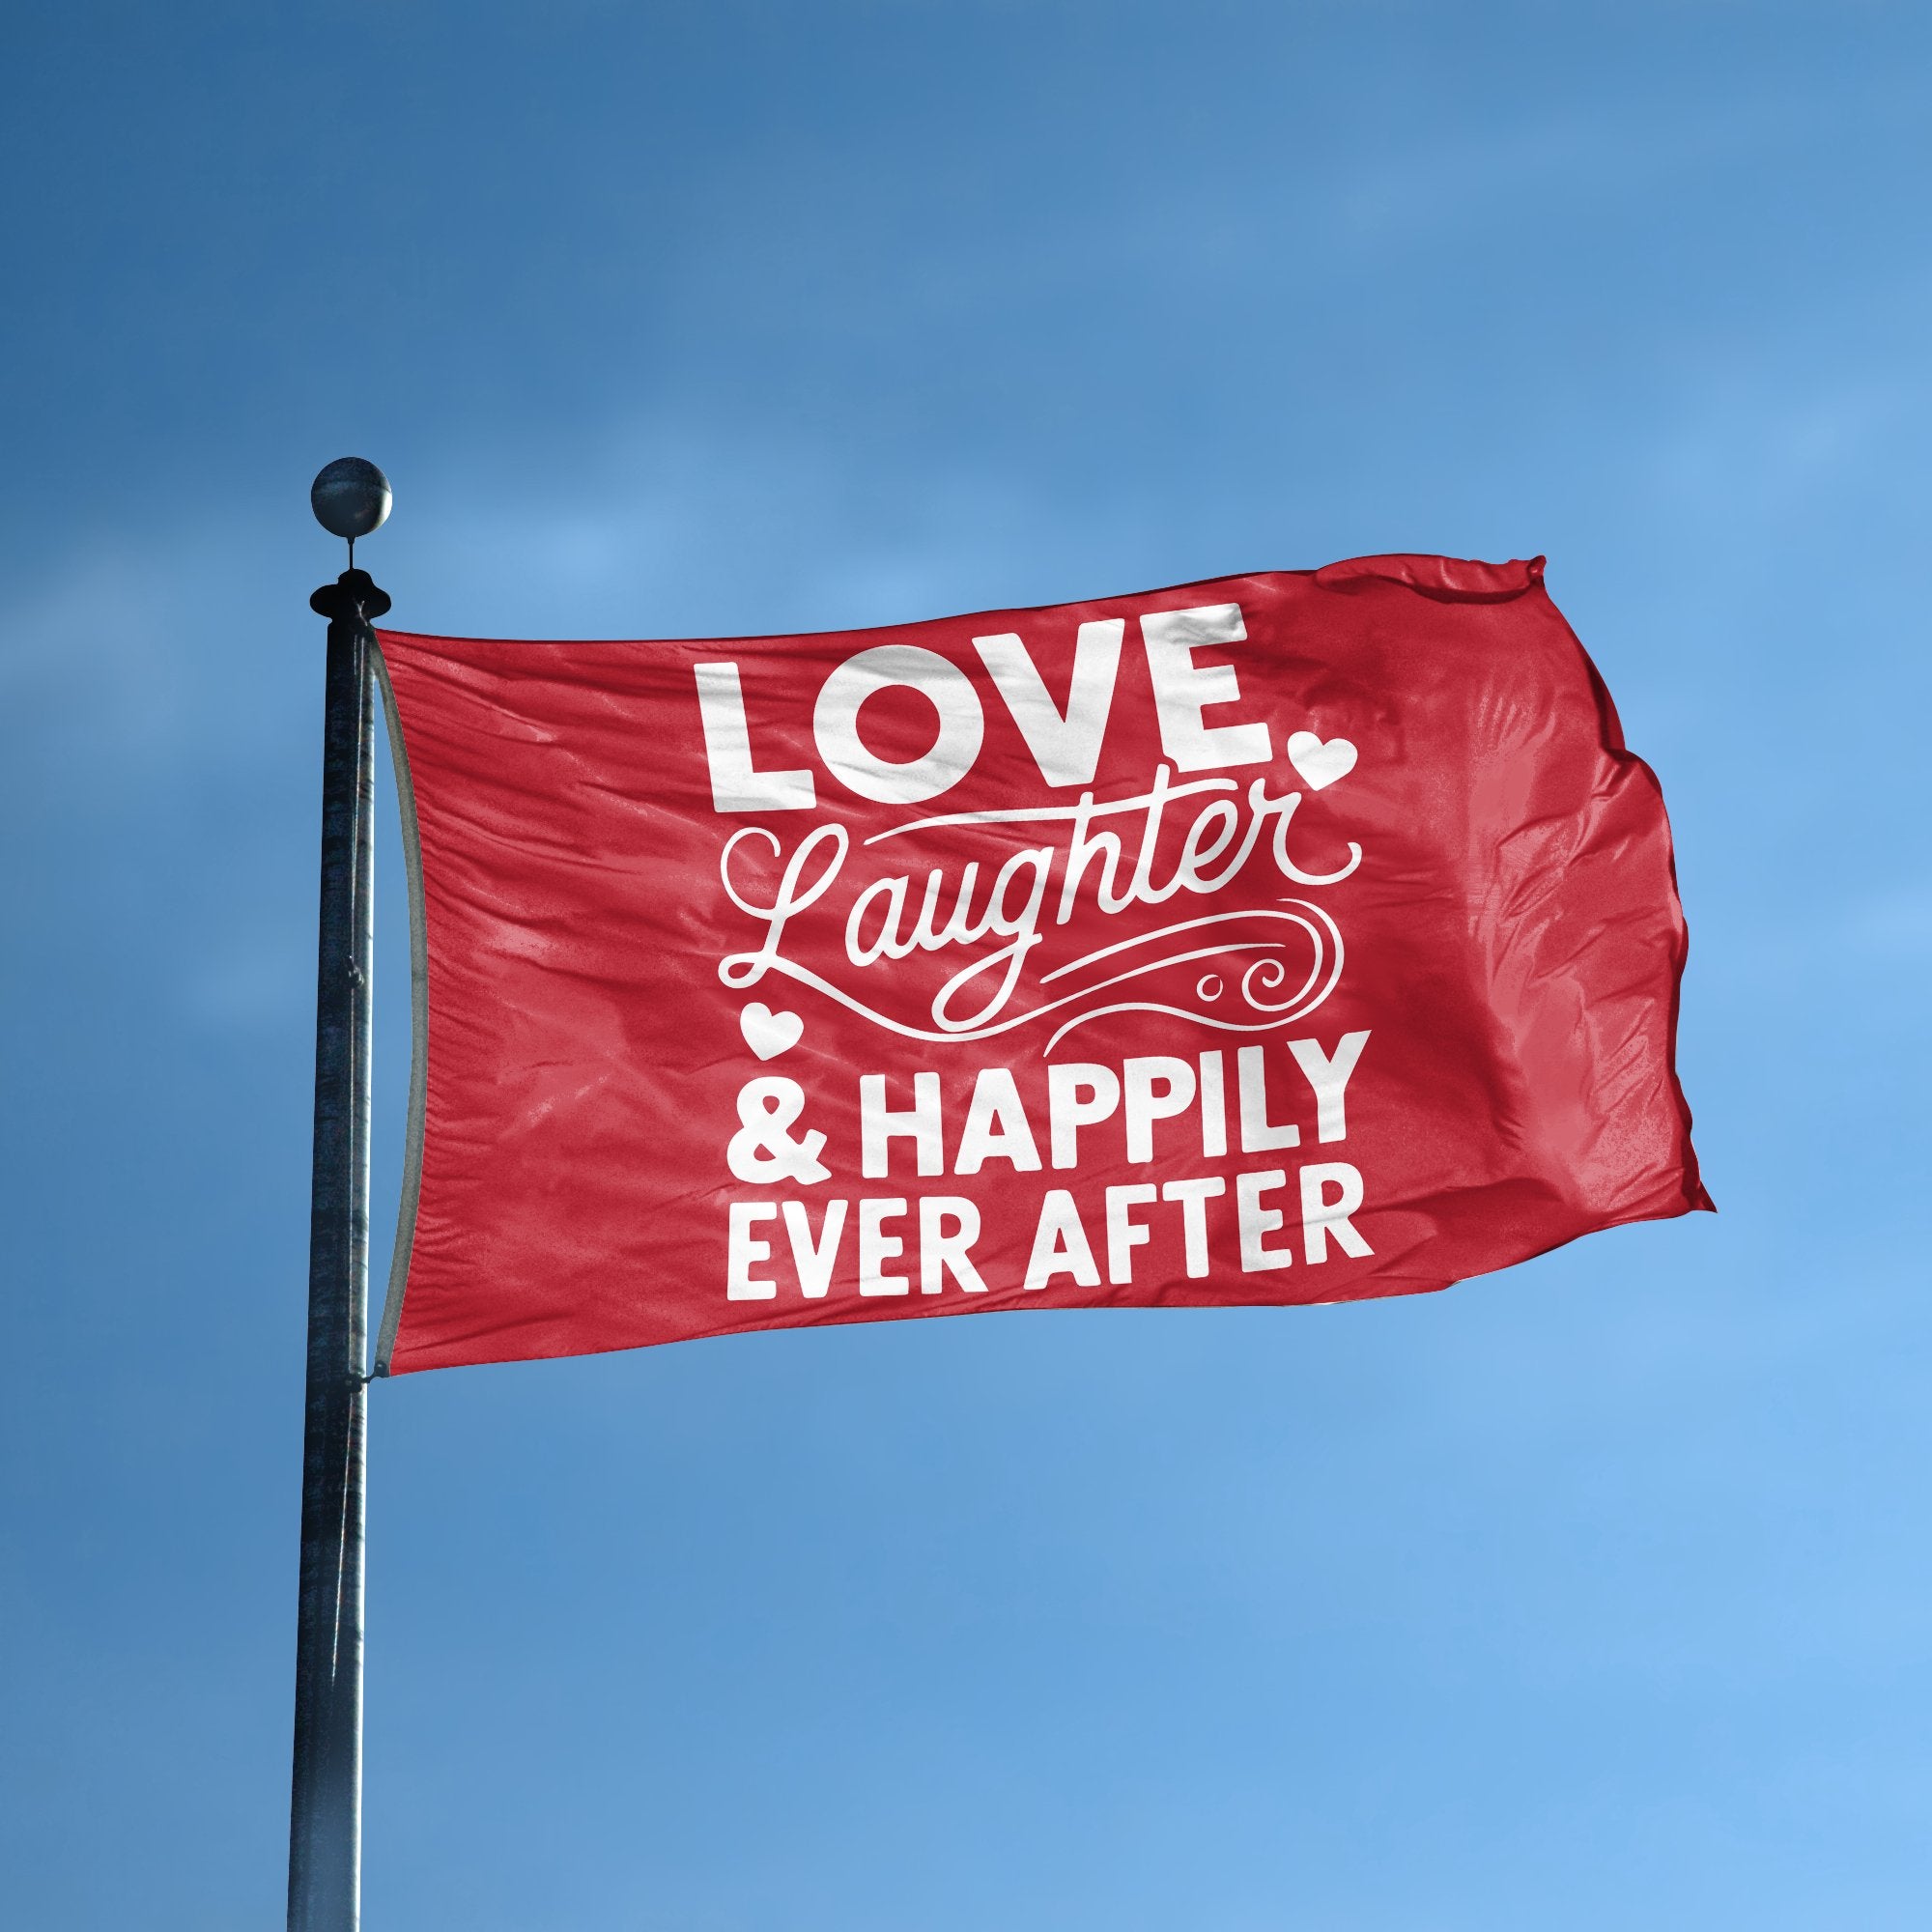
[[1317, 763], [768, 1034]]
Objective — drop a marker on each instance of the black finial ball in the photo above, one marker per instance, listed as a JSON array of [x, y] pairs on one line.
[[350, 497]]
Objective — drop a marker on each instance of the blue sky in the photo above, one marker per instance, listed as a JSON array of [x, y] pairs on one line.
[[1591, 1595]]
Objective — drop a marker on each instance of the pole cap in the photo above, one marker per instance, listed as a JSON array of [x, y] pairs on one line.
[[349, 498]]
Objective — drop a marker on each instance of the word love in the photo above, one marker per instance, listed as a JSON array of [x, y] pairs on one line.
[[1065, 741]]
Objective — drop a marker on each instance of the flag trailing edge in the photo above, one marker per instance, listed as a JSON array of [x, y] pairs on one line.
[[1294, 937]]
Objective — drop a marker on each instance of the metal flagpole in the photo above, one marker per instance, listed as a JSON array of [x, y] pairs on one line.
[[351, 498]]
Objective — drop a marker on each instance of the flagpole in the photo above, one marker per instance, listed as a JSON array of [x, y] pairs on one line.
[[351, 498]]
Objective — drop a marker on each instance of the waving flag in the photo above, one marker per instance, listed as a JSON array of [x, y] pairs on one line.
[[1300, 937]]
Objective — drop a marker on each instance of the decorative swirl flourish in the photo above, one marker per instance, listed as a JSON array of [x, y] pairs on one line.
[[1258, 977]]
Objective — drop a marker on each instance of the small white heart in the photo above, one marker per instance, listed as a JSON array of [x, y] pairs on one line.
[[1317, 763], [768, 1034]]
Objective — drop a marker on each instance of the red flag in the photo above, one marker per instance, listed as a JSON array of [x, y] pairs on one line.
[[1289, 938]]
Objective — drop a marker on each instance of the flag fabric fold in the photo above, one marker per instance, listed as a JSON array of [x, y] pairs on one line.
[[1296, 937]]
